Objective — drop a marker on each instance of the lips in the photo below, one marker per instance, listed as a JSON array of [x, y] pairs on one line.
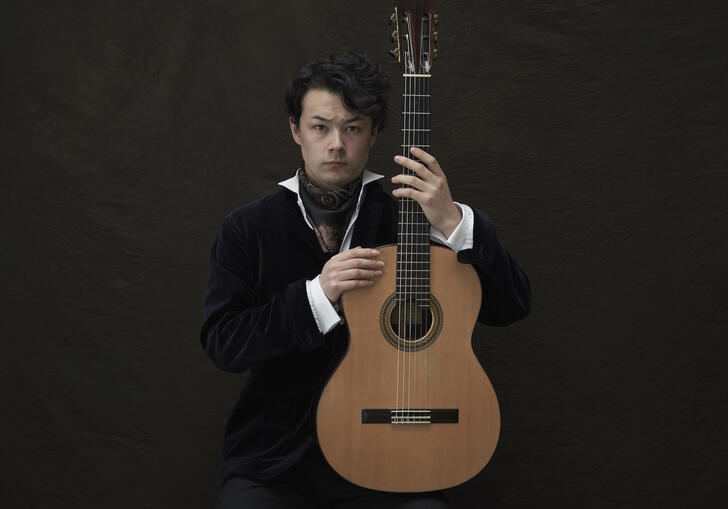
[[335, 163]]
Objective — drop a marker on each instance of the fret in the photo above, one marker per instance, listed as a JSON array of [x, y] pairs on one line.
[[415, 113], [417, 130], [416, 95], [416, 145]]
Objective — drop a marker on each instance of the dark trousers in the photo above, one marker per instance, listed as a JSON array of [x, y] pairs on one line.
[[314, 484]]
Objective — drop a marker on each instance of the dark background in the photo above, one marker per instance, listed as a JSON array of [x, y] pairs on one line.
[[593, 133]]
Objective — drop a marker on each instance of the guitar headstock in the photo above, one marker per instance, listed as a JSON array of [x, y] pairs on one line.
[[414, 35]]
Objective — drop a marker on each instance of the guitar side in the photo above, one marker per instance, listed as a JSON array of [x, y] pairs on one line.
[[444, 375]]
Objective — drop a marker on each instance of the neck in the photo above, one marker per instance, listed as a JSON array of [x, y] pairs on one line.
[[413, 241], [330, 187]]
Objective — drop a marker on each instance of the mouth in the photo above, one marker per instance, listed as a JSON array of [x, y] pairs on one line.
[[335, 163]]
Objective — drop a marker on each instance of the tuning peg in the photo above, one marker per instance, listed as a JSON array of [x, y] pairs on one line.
[[437, 19], [434, 53], [434, 36], [395, 52], [393, 18], [393, 37]]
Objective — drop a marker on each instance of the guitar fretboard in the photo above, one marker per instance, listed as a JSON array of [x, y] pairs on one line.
[[413, 239]]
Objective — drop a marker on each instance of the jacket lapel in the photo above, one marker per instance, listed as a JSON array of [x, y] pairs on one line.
[[296, 225], [374, 225]]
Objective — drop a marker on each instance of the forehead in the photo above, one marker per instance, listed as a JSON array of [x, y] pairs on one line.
[[327, 104]]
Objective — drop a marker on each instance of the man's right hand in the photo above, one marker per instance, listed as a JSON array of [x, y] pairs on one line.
[[355, 268]]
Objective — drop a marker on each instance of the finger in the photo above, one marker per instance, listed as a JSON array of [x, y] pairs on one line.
[[427, 159], [346, 286], [357, 252], [356, 274], [419, 168], [412, 181], [409, 192], [360, 263]]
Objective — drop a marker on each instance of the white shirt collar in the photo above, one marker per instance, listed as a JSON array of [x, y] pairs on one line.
[[366, 177]]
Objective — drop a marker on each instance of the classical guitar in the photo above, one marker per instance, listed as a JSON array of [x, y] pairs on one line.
[[409, 408]]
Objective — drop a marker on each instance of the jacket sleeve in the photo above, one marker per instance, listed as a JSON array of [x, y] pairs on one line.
[[241, 327], [506, 289]]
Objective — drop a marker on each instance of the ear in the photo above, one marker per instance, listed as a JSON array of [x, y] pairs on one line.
[[294, 131], [375, 131]]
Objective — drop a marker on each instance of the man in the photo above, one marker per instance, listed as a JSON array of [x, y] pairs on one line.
[[280, 265]]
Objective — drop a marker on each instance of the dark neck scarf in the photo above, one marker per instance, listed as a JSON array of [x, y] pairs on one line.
[[328, 211]]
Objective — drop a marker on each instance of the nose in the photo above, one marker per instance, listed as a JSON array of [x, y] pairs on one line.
[[336, 141]]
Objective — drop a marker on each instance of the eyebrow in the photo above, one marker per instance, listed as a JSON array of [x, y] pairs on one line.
[[346, 120]]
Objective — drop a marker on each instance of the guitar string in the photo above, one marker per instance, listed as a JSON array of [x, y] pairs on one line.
[[423, 251], [412, 238], [400, 256], [399, 301], [414, 253], [405, 240], [419, 248], [426, 227], [408, 256], [417, 238], [405, 263]]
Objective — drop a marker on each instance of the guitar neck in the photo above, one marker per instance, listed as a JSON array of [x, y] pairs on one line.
[[413, 239]]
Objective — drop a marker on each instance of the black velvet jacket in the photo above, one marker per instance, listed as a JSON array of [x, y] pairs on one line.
[[257, 316]]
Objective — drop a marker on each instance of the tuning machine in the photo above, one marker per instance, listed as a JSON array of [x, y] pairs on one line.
[[435, 21]]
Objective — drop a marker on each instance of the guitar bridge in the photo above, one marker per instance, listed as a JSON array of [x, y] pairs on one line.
[[409, 416]]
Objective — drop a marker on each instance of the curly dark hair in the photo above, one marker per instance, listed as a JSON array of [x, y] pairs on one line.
[[357, 79]]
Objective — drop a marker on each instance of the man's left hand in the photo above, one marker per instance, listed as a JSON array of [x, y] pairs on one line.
[[428, 188]]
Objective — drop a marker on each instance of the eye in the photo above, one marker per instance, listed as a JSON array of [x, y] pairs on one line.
[[319, 127], [353, 128]]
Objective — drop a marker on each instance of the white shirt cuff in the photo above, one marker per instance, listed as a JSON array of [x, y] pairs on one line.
[[323, 311], [462, 237]]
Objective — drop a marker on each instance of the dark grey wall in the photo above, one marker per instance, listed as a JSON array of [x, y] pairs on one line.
[[592, 132]]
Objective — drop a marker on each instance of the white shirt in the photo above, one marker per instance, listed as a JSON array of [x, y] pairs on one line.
[[324, 312]]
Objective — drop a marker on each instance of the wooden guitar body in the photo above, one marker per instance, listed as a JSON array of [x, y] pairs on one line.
[[412, 455]]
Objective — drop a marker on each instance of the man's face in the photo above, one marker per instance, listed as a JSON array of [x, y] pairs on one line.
[[334, 141]]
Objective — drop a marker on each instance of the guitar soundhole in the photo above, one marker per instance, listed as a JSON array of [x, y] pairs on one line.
[[410, 325]]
